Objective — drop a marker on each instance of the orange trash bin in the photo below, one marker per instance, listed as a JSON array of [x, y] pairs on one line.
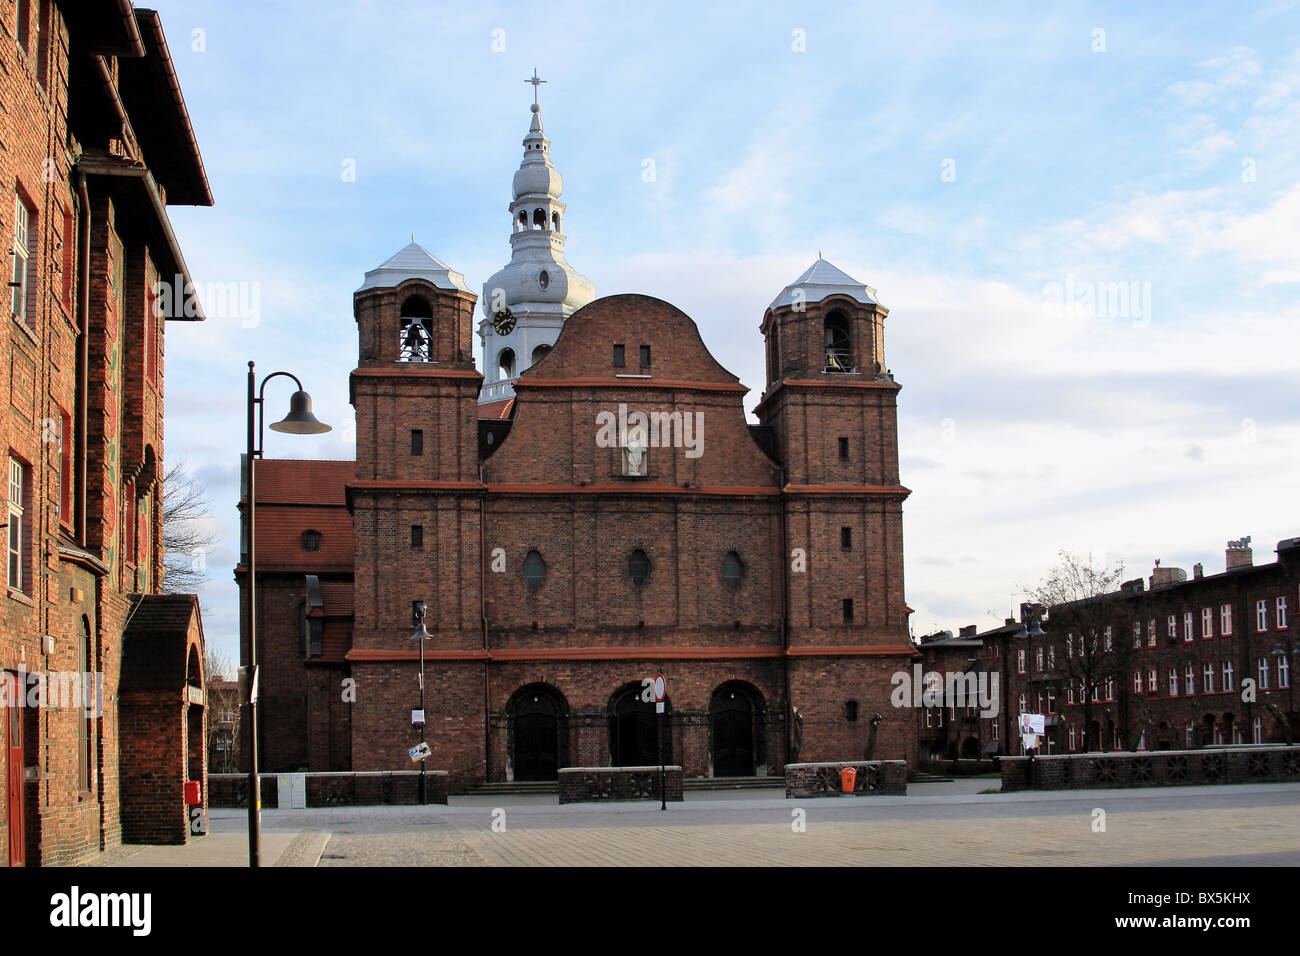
[[848, 777]]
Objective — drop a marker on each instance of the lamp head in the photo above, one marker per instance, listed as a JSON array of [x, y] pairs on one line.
[[300, 420]]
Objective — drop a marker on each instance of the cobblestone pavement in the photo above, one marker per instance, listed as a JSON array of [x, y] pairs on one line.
[[1212, 826]]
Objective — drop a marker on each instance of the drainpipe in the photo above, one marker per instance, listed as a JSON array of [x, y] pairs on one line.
[[785, 598], [482, 619], [83, 355]]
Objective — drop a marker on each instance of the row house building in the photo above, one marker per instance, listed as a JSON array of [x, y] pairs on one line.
[[1170, 662], [101, 675]]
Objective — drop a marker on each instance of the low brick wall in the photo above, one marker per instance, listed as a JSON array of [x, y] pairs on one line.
[[874, 777], [1153, 768], [586, 784], [335, 789]]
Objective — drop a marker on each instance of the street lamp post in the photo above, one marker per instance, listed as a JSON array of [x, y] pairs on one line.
[[299, 421], [1028, 612], [421, 635]]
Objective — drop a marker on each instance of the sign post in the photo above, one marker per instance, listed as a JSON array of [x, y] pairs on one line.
[[661, 689]]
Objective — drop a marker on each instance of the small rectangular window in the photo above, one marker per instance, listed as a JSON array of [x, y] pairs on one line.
[[17, 545], [618, 356], [846, 538], [417, 441], [65, 468], [848, 610], [22, 242], [417, 536], [645, 356], [844, 448]]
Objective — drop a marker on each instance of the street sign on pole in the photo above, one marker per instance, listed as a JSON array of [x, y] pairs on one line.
[[661, 691]]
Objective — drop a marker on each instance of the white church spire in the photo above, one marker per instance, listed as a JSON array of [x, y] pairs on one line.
[[527, 301]]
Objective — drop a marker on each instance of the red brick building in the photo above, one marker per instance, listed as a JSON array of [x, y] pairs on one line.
[[95, 142], [1185, 662], [615, 518], [1180, 663]]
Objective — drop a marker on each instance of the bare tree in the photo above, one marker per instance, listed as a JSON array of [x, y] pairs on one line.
[[1076, 594], [186, 537], [223, 713]]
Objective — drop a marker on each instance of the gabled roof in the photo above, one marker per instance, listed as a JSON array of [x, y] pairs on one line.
[[413, 262], [155, 644], [821, 280]]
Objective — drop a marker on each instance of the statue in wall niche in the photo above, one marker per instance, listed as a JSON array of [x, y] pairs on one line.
[[796, 734], [871, 738], [1143, 724]]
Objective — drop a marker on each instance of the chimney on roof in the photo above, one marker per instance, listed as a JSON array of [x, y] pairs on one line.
[[1198, 571], [1239, 554], [1010, 620], [969, 630], [1162, 576]]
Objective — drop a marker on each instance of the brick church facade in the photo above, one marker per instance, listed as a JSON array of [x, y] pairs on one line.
[[597, 511]]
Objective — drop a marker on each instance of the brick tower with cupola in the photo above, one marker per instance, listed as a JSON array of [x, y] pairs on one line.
[[832, 407], [416, 504]]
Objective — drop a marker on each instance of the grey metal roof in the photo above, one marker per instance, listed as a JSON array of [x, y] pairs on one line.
[[413, 262], [821, 280]]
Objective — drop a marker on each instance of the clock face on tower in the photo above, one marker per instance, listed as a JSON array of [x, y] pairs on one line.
[[504, 322]]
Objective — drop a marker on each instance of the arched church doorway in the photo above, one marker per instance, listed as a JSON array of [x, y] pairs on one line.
[[731, 724], [632, 726], [537, 715]]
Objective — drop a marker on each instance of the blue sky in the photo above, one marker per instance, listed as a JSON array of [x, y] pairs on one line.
[[971, 165]]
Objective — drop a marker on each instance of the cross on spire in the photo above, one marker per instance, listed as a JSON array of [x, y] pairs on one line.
[[536, 83]]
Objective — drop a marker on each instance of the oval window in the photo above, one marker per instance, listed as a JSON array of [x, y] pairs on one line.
[[544, 280], [733, 569], [534, 569], [638, 567]]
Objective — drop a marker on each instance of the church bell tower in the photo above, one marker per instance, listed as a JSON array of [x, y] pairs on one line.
[[526, 302]]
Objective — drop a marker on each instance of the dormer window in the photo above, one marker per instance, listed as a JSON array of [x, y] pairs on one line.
[[417, 330], [839, 351], [311, 540]]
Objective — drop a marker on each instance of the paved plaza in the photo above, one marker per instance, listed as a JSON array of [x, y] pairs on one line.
[[935, 824]]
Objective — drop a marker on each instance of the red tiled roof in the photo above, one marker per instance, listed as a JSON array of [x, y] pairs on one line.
[[499, 409], [279, 537], [337, 598], [303, 482]]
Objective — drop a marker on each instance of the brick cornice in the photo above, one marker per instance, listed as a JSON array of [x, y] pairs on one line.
[[621, 383], [890, 491], [632, 488], [408, 370], [656, 652]]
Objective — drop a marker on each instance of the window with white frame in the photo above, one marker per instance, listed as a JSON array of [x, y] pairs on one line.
[[1137, 682], [22, 241], [1207, 622], [1207, 675], [1137, 633], [1153, 681], [1258, 731], [1218, 733], [1022, 704], [1073, 738], [929, 717], [1225, 619], [993, 728], [1051, 657], [1151, 633], [1069, 645], [1187, 626], [1051, 700], [1263, 673], [1279, 616], [1173, 682], [1227, 676], [1283, 672], [1189, 678], [1110, 640], [17, 550], [1172, 627], [1020, 661], [1261, 615], [1189, 734], [1110, 688], [1038, 660], [1237, 738], [938, 716]]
